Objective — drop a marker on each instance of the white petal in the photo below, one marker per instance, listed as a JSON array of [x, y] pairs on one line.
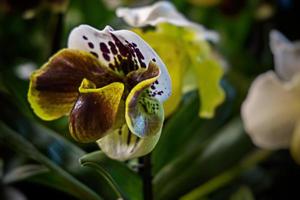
[[162, 12], [286, 55], [271, 110], [110, 46], [123, 145]]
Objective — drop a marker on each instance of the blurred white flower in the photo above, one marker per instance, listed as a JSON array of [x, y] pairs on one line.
[[24, 70], [162, 12], [112, 4], [271, 111]]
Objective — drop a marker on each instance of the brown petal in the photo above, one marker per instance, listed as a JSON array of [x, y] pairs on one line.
[[95, 112], [54, 87]]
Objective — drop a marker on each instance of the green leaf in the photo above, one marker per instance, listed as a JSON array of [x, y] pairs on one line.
[[226, 177], [185, 131], [127, 182], [54, 151], [243, 193], [175, 132], [23, 172], [54, 180], [202, 163], [20, 144]]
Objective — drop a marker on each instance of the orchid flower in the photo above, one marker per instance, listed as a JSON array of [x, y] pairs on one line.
[[271, 111], [111, 84], [184, 47]]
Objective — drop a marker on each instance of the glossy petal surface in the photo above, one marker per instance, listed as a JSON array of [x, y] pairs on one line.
[[95, 111], [143, 112], [124, 145]]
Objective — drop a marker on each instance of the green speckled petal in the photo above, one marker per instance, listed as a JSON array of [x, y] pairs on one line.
[[144, 113]]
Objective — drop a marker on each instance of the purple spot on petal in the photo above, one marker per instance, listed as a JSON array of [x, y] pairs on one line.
[[111, 66], [91, 45], [143, 65], [153, 59], [106, 56], [119, 57], [94, 54], [112, 47], [104, 48], [152, 87], [139, 54], [134, 44], [84, 37], [122, 48]]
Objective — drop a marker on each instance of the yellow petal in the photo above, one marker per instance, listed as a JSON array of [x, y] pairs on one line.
[[209, 74]]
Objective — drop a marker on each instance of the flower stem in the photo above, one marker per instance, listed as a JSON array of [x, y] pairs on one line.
[[146, 174]]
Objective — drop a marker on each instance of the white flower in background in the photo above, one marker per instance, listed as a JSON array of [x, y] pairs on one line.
[[271, 111], [112, 4], [162, 12], [24, 70]]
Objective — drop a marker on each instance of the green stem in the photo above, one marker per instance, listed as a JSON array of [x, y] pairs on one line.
[[146, 174], [227, 176]]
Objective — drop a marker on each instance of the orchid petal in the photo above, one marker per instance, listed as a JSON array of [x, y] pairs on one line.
[[209, 74], [95, 112], [53, 88], [271, 110], [162, 12], [122, 51], [286, 55], [123, 145], [176, 73], [143, 112]]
